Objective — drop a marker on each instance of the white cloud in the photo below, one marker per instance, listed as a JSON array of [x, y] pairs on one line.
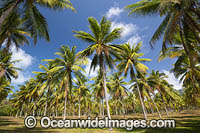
[[24, 64], [134, 39], [26, 59], [128, 29], [173, 80], [114, 11], [92, 73], [22, 77]]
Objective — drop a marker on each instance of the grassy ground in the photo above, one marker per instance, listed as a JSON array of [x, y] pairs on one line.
[[186, 122]]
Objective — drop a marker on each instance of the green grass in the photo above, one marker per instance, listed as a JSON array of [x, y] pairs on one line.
[[186, 122]]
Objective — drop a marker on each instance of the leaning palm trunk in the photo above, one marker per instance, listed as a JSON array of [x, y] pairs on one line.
[[17, 113], [141, 101], [166, 110], [156, 108], [164, 105], [105, 90], [155, 105], [152, 111]]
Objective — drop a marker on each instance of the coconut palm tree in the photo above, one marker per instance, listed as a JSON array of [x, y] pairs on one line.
[[34, 21], [69, 64], [181, 18], [147, 91], [7, 68], [117, 88], [183, 69], [5, 88], [57, 97], [164, 89], [100, 38], [13, 33], [98, 91], [81, 89], [48, 79], [188, 75], [177, 13], [129, 58]]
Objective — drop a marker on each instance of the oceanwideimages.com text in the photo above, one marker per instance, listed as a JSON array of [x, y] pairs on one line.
[[128, 124]]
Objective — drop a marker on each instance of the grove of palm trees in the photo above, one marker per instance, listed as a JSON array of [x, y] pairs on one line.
[[121, 82]]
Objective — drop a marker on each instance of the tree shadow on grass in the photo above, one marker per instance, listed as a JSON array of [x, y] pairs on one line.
[[162, 130], [25, 130], [16, 126], [186, 124]]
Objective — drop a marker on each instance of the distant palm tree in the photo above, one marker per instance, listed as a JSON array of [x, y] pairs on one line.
[[81, 89], [146, 89], [100, 38], [129, 59], [5, 89], [69, 64], [164, 89], [48, 79], [34, 21], [118, 89], [7, 68], [98, 91]]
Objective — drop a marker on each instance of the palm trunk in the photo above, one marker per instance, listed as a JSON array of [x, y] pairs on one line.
[[187, 50], [66, 87], [105, 90], [152, 111], [56, 111], [26, 113], [34, 108], [100, 112], [141, 101], [116, 110], [89, 111], [74, 110], [123, 109], [17, 113], [45, 110], [166, 110], [64, 113], [79, 107], [20, 115], [156, 108], [133, 108], [164, 106], [102, 108], [145, 107]]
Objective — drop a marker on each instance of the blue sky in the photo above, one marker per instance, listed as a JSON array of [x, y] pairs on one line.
[[62, 23]]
